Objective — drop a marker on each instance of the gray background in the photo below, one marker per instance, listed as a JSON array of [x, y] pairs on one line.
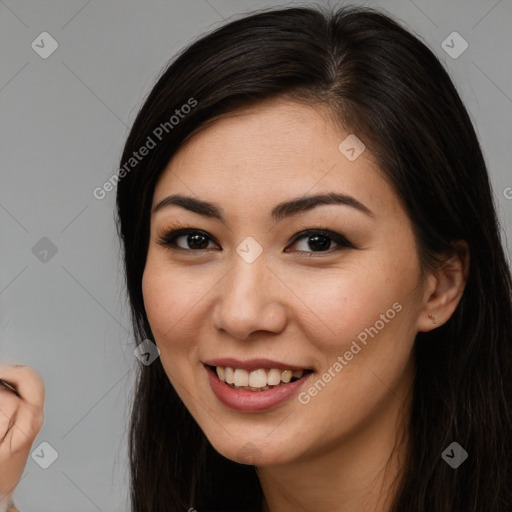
[[63, 123]]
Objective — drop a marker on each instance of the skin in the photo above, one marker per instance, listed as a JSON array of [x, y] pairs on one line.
[[21, 419], [300, 306]]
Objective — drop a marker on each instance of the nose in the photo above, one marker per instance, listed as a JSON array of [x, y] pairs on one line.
[[250, 299]]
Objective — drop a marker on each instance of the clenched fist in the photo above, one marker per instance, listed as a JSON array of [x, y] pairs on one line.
[[21, 419]]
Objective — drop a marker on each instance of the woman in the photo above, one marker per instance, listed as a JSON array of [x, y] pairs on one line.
[[392, 346], [371, 375]]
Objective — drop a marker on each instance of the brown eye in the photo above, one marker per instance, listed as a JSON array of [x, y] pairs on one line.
[[321, 241], [193, 239], [197, 240]]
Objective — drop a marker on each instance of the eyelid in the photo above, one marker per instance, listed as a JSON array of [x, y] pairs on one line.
[[333, 235], [167, 237], [175, 231]]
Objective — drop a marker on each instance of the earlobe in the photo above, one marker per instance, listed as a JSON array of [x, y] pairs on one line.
[[443, 297], [432, 317]]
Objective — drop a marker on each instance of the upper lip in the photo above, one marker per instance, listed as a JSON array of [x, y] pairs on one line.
[[252, 364]]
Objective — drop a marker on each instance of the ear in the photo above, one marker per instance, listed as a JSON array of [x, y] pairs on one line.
[[445, 287]]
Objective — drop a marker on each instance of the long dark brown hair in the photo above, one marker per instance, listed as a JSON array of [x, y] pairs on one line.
[[382, 83]]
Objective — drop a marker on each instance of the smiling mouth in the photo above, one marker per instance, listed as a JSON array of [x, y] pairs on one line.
[[262, 379]]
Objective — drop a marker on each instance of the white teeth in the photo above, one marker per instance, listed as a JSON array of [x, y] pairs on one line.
[[241, 377], [257, 380], [229, 375], [286, 376], [274, 377]]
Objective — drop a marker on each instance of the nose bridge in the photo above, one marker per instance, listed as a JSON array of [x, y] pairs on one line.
[[246, 284], [247, 301], [249, 268]]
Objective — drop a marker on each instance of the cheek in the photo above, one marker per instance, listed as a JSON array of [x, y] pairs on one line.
[[168, 297], [168, 309], [163, 311], [365, 314], [158, 299], [341, 304], [175, 300]]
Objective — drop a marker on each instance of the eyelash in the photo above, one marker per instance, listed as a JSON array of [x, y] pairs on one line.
[[167, 238]]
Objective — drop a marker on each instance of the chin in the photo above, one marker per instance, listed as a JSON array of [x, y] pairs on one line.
[[256, 452]]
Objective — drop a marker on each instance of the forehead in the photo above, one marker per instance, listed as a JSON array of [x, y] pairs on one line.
[[275, 148], [272, 129]]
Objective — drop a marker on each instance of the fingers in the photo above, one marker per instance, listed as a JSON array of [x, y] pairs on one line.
[[8, 407], [27, 383], [25, 411], [9, 387]]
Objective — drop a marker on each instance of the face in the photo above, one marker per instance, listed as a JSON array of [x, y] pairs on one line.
[[249, 288]]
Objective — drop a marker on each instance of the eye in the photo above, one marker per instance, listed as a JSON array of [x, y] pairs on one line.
[[320, 240], [190, 239]]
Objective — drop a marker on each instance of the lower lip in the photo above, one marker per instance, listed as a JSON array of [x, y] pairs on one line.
[[253, 401]]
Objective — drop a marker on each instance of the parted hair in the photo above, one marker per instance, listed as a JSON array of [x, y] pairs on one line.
[[381, 82]]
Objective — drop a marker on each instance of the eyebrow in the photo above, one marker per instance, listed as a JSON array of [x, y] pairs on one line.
[[278, 213]]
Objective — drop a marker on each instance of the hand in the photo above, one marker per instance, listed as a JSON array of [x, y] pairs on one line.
[[21, 419]]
